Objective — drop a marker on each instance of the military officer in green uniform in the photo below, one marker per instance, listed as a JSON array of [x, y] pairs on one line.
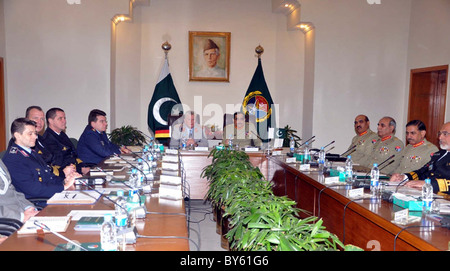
[[419, 150], [361, 145], [438, 169], [386, 146]]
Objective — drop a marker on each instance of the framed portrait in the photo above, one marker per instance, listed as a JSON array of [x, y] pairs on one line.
[[209, 56]]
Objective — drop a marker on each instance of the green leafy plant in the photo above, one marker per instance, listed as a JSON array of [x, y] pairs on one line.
[[288, 133], [257, 219], [127, 136]]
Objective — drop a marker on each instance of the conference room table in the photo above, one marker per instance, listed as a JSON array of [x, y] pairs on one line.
[[364, 222], [367, 221], [165, 218]]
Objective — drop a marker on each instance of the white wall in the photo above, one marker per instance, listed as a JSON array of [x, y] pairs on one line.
[[360, 64], [58, 55], [429, 39]]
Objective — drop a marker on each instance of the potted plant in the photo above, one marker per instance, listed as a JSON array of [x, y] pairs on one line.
[[255, 218], [288, 133], [127, 136]]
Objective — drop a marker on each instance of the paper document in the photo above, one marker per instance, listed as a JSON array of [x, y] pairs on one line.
[[55, 223]]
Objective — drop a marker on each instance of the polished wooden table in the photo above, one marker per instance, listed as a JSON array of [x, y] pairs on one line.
[[165, 218], [366, 223]]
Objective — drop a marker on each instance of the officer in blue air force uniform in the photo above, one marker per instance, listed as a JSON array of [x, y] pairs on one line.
[[94, 145], [29, 172]]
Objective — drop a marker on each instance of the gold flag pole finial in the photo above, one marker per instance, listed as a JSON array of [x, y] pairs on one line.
[[166, 47], [259, 50]]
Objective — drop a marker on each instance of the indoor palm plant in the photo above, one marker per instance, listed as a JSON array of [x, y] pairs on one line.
[[257, 219], [127, 136]]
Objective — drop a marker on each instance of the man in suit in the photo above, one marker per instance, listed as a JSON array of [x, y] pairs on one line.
[[94, 145], [12, 203], [187, 128], [438, 169], [30, 174], [59, 144]]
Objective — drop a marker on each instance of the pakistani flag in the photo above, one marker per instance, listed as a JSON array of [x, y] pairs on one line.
[[258, 102], [164, 98]]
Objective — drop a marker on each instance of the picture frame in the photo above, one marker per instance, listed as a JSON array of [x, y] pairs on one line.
[[209, 56]]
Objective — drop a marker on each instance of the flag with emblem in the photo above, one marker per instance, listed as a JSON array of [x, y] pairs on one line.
[[258, 103], [164, 100]]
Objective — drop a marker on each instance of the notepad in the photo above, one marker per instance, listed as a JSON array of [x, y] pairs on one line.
[[74, 197], [55, 223]]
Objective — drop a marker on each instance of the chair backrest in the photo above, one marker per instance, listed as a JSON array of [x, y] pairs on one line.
[[2, 154]]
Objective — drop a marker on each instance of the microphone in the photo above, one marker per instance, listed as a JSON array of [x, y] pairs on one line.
[[389, 158], [307, 140], [350, 150], [130, 232], [143, 173], [45, 227], [405, 180], [323, 146], [381, 168]]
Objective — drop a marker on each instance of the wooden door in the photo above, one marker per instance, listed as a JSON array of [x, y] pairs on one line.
[[2, 107], [427, 98]]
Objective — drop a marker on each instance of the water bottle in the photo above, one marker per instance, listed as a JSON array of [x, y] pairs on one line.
[[230, 142], [108, 234], [427, 195], [133, 180], [121, 210], [349, 169], [292, 145], [306, 154], [375, 179], [321, 160], [183, 143]]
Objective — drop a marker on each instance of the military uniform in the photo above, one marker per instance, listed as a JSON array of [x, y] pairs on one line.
[[30, 174], [364, 146], [382, 150], [62, 149], [416, 156], [94, 146], [438, 170]]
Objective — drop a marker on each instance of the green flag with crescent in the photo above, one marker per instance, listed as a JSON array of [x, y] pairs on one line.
[[164, 99]]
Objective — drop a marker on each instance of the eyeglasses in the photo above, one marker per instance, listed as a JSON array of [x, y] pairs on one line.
[[444, 133]]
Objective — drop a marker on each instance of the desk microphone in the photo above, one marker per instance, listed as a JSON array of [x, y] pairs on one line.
[[389, 158], [307, 141], [323, 146], [145, 176], [130, 232], [45, 227], [145, 161], [383, 167], [405, 180], [350, 150]]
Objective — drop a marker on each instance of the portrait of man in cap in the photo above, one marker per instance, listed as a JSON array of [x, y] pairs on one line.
[[209, 61]]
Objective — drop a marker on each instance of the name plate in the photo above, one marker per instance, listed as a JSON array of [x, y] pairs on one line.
[[171, 151], [291, 160], [250, 149], [201, 148], [355, 193], [305, 167], [331, 180]]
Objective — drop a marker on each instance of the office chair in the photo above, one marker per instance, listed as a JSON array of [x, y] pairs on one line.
[[9, 225]]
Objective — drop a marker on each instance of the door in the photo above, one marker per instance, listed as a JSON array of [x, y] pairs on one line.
[[2, 107], [427, 98]]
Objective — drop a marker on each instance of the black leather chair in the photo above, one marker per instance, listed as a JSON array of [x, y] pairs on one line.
[[8, 226]]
